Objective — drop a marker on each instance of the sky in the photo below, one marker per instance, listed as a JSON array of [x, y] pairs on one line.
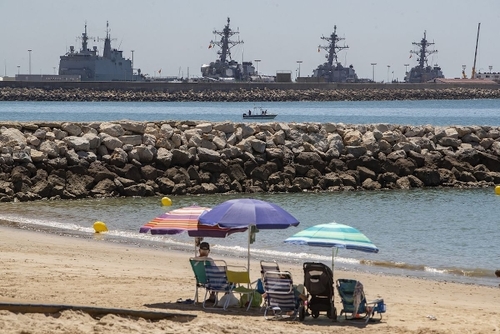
[[173, 35]]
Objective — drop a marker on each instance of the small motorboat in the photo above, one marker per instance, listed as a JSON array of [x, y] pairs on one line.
[[258, 113]]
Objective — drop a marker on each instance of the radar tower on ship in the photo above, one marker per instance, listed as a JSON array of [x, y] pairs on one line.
[[423, 72], [225, 68], [332, 70], [225, 44], [332, 48]]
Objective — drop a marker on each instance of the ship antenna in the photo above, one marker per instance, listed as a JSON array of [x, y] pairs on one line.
[[332, 48], [107, 42], [85, 37], [423, 53], [225, 44]]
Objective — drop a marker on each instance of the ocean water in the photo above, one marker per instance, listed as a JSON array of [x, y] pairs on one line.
[[434, 112], [442, 234]]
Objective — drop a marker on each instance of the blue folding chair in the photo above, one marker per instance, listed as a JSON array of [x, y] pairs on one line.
[[217, 282], [279, 295], [354, 301]]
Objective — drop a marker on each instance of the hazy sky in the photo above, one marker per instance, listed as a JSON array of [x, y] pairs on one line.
[[174, 35]]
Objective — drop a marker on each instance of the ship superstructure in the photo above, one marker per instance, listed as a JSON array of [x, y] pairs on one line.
[[226, 68], [91, 66], [423, 72], [333, 70]]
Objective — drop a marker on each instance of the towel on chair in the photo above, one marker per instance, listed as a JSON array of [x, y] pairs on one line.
[[357, 296]]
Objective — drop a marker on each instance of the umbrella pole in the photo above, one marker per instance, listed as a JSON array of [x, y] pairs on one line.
[[248, 251], [334, 252]]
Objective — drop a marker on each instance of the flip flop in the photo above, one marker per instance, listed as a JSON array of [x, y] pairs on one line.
[[187, 301]]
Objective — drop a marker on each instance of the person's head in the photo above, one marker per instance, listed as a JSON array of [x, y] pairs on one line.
[[204, 248]]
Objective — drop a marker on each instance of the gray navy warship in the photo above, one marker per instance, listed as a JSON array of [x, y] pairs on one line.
[[90, 66], [423, 72], [225, 68], [332, 70]]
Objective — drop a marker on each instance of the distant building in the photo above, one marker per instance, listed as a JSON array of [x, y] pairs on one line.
[[495, 76]]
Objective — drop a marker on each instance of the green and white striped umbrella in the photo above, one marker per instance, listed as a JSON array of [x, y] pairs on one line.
[[335, 236]]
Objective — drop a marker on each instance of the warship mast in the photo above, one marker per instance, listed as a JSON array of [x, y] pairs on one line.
[[423, 51], [107, 43], [225, 68], [85, 37], [332, 70], [225, 44], [423, 72], [332, 48]]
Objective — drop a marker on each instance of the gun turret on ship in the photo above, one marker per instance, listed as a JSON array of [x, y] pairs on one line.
[[333, 70], [423, 72], [90, 66], [226, 68]]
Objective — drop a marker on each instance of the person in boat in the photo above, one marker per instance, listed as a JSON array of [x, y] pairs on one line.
[[249, 112]]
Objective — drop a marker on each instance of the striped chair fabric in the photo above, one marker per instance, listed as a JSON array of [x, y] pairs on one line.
[[278, 286]]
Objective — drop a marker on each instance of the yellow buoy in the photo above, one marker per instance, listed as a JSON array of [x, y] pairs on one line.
[[100, 227], [497, 190], [165, 201]]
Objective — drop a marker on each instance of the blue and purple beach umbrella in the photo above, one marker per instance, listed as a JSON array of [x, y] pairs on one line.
[[248, 213]]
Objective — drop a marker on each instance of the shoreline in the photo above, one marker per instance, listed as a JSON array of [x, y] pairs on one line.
[[187, 250], [41, 268]]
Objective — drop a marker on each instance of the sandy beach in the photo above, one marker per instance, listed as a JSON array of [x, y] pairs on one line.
[[52, 269]]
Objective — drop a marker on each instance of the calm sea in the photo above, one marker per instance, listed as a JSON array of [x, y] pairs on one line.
[[434, 112], [442, 234]]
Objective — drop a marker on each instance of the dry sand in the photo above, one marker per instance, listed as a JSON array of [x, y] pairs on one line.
[[52, 269]]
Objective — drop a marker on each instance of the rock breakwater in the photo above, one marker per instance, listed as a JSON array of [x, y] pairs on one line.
[[245, 95], [62, 160]]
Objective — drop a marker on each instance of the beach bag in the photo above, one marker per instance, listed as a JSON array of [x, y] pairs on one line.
[[233, 301], [256, 301], [260, 286], [380, 308]]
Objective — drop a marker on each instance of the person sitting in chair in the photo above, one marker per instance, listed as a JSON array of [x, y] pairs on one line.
[[203, 252]]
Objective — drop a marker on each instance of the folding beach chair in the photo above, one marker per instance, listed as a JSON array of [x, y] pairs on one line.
[[265, 266], [354, 301], [217, 281], [268, 266], [279, 295], [198, 267], [239, 276]]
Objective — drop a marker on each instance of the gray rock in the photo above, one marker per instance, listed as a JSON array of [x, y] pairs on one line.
[[72, 129], [12, 137], [111, 143], [207, 155], [135, 127], [77, 143], [112, 129], [131, 140]]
